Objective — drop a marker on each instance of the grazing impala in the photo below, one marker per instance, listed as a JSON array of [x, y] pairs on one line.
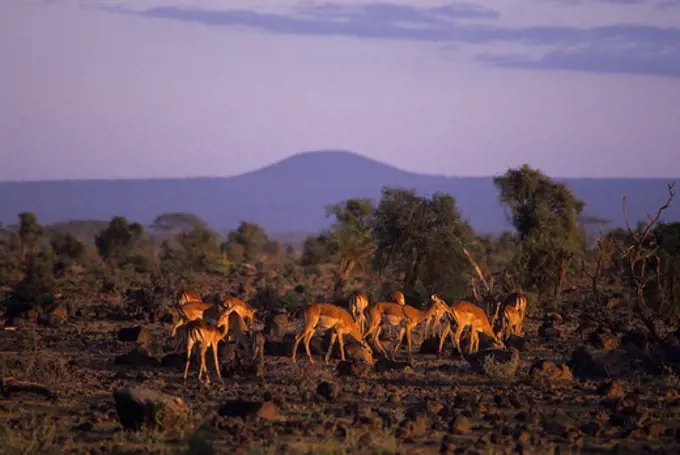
[[513, 311], [405, 317], [184, 297], [192, 311], [199, 332], [325, 316], [244, 337], [467, 314], [239, 306], [357, 306], [511, 322]]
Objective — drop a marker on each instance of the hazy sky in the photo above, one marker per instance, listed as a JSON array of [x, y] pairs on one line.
[[169, 88]]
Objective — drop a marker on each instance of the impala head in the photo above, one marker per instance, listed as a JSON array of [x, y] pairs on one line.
[[366, 349], [437, 301], [398, 297], [223, 320]]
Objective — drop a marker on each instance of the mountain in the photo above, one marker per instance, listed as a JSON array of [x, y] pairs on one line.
[[289, 196]]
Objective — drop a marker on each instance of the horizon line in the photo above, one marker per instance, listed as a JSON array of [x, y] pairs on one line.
[[315, 152]]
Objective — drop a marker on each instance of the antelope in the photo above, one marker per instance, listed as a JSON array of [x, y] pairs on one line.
[[324, 316], [357, 305], [239, 306], [466, 314], [251, 341], [198, 331], [193, 310], [184, 297], [404, 316], [511, 322], [513, 311], [398, 297]]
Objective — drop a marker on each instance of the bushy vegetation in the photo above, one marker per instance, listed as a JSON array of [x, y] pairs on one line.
[[411, 242]]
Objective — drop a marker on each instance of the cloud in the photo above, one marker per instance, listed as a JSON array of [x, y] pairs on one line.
[[631, 49]]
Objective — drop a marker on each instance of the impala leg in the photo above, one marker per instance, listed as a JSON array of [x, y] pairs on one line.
[[308, 338], [456, 338], [445, 333], [402, 330], [334, 336], [375, 331], [341, 342], [408, 341], [217, 364], [298, 338], [474, 341], [204, 369], [190, 347]]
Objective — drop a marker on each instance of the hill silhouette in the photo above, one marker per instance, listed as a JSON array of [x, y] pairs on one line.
[[289, 196]]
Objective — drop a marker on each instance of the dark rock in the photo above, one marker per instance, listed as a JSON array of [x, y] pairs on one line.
[[265, 410], [328, 390], [138, 334], [585, 365], [605, 341], [429, 346], [352, 368], [548, 330], [611, 389], [546, 372], [174, 360], [384, 364], [460, 425], [139, 356], [516, 342], [138, 408]]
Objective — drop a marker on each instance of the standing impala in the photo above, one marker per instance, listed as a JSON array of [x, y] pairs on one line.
[[405, 317], [199, 333], [325, 316], [467, 314]]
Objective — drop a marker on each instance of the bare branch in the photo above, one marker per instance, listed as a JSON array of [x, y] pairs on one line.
[[477, 269]]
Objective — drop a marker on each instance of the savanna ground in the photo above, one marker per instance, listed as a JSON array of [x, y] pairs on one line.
[[435, 405]]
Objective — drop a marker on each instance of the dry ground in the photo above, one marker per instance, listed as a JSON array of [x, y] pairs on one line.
[[437, 406]]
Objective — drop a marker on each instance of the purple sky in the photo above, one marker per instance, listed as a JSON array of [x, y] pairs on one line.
[[174, 88]]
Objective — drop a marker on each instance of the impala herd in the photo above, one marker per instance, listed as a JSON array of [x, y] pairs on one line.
[[204, 325]]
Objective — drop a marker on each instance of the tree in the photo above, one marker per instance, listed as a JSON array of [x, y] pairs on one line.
[[118, 241], [421, 239], [253, 242], [30, 233], [545, 215], [200, 248], [352, 235], [318, 249], [641, 254], [65, 245]]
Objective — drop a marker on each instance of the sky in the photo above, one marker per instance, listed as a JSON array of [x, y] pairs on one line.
[[95, 89]]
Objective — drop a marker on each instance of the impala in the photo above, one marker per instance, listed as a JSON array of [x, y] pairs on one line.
[[325, 316], [466, 314], [405, 317]]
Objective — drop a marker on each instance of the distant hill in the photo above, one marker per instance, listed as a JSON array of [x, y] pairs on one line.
[[289, 196]]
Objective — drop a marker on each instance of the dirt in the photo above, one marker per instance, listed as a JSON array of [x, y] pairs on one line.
[[435, 405]]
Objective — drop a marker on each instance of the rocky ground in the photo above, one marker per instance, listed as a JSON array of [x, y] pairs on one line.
[[73, 384]]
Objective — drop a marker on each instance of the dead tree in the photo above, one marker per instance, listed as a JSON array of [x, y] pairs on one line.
[[602, 261], [638, 253], [487, 283]]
